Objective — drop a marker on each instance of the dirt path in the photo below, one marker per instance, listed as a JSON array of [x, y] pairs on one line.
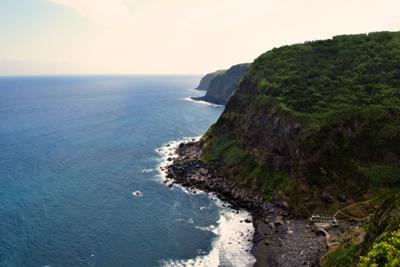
[[341, 211]]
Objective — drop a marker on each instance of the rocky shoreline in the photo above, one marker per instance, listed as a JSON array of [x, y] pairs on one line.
[[279, 238]]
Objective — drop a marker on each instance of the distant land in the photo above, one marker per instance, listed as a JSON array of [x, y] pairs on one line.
[[205, 81], [221, 84]]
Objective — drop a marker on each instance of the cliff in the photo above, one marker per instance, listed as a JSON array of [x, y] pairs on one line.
[[315, 121], [223, 84], [205, 81], [317, 125]]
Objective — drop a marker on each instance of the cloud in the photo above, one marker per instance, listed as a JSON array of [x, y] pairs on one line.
[[100, 11]]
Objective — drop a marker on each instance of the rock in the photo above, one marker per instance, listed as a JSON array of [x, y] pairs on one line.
[[189, 171], [327, 198], [137, 194], [342, 198], [285, 205], [203, 171]]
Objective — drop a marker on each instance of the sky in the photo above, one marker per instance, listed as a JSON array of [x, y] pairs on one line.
[[170, 36]]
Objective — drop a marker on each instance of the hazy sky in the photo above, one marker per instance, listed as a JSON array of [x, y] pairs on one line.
[[170, 36]]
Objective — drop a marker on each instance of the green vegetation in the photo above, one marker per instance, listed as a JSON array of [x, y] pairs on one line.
[[382, 175], [381, 246], [348, 87], [344, 95], [321, 76], [242, 167], [342, 257], [321, 118], [385, 252]]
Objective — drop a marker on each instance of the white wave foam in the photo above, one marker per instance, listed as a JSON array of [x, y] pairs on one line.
[[230, 247], [168, 151], [137, 194], [233, 241], [202, 102], [209, 228]]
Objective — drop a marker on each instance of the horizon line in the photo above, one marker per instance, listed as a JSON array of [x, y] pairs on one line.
[[100, 74]]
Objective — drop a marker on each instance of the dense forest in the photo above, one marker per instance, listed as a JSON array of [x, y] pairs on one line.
[[321, 76]]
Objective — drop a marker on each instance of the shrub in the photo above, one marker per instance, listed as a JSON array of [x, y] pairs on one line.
[[385, 253]]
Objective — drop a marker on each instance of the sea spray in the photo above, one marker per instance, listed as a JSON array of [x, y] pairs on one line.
[[233, 230], [202, 102]]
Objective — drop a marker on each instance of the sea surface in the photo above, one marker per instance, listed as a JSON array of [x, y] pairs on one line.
[[73, 150]]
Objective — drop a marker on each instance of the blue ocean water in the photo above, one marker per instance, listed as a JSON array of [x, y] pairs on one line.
[[72, 151]]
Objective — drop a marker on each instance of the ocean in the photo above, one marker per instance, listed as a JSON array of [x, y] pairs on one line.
[[79, 177]]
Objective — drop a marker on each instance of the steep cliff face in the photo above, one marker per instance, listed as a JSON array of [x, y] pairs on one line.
[[223, 84], [315, 124], [205, 81]]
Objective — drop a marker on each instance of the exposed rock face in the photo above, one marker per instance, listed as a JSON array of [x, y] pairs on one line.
[[223, 85], [264, 132], [205, 81], [269, 136]]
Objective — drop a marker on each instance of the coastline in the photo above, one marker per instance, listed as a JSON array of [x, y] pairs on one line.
[[233, 230], [279, 239], [203, 102]]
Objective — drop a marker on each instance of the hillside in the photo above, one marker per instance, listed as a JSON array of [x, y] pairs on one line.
[[223, 84], [317, 125], [205, 81]]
